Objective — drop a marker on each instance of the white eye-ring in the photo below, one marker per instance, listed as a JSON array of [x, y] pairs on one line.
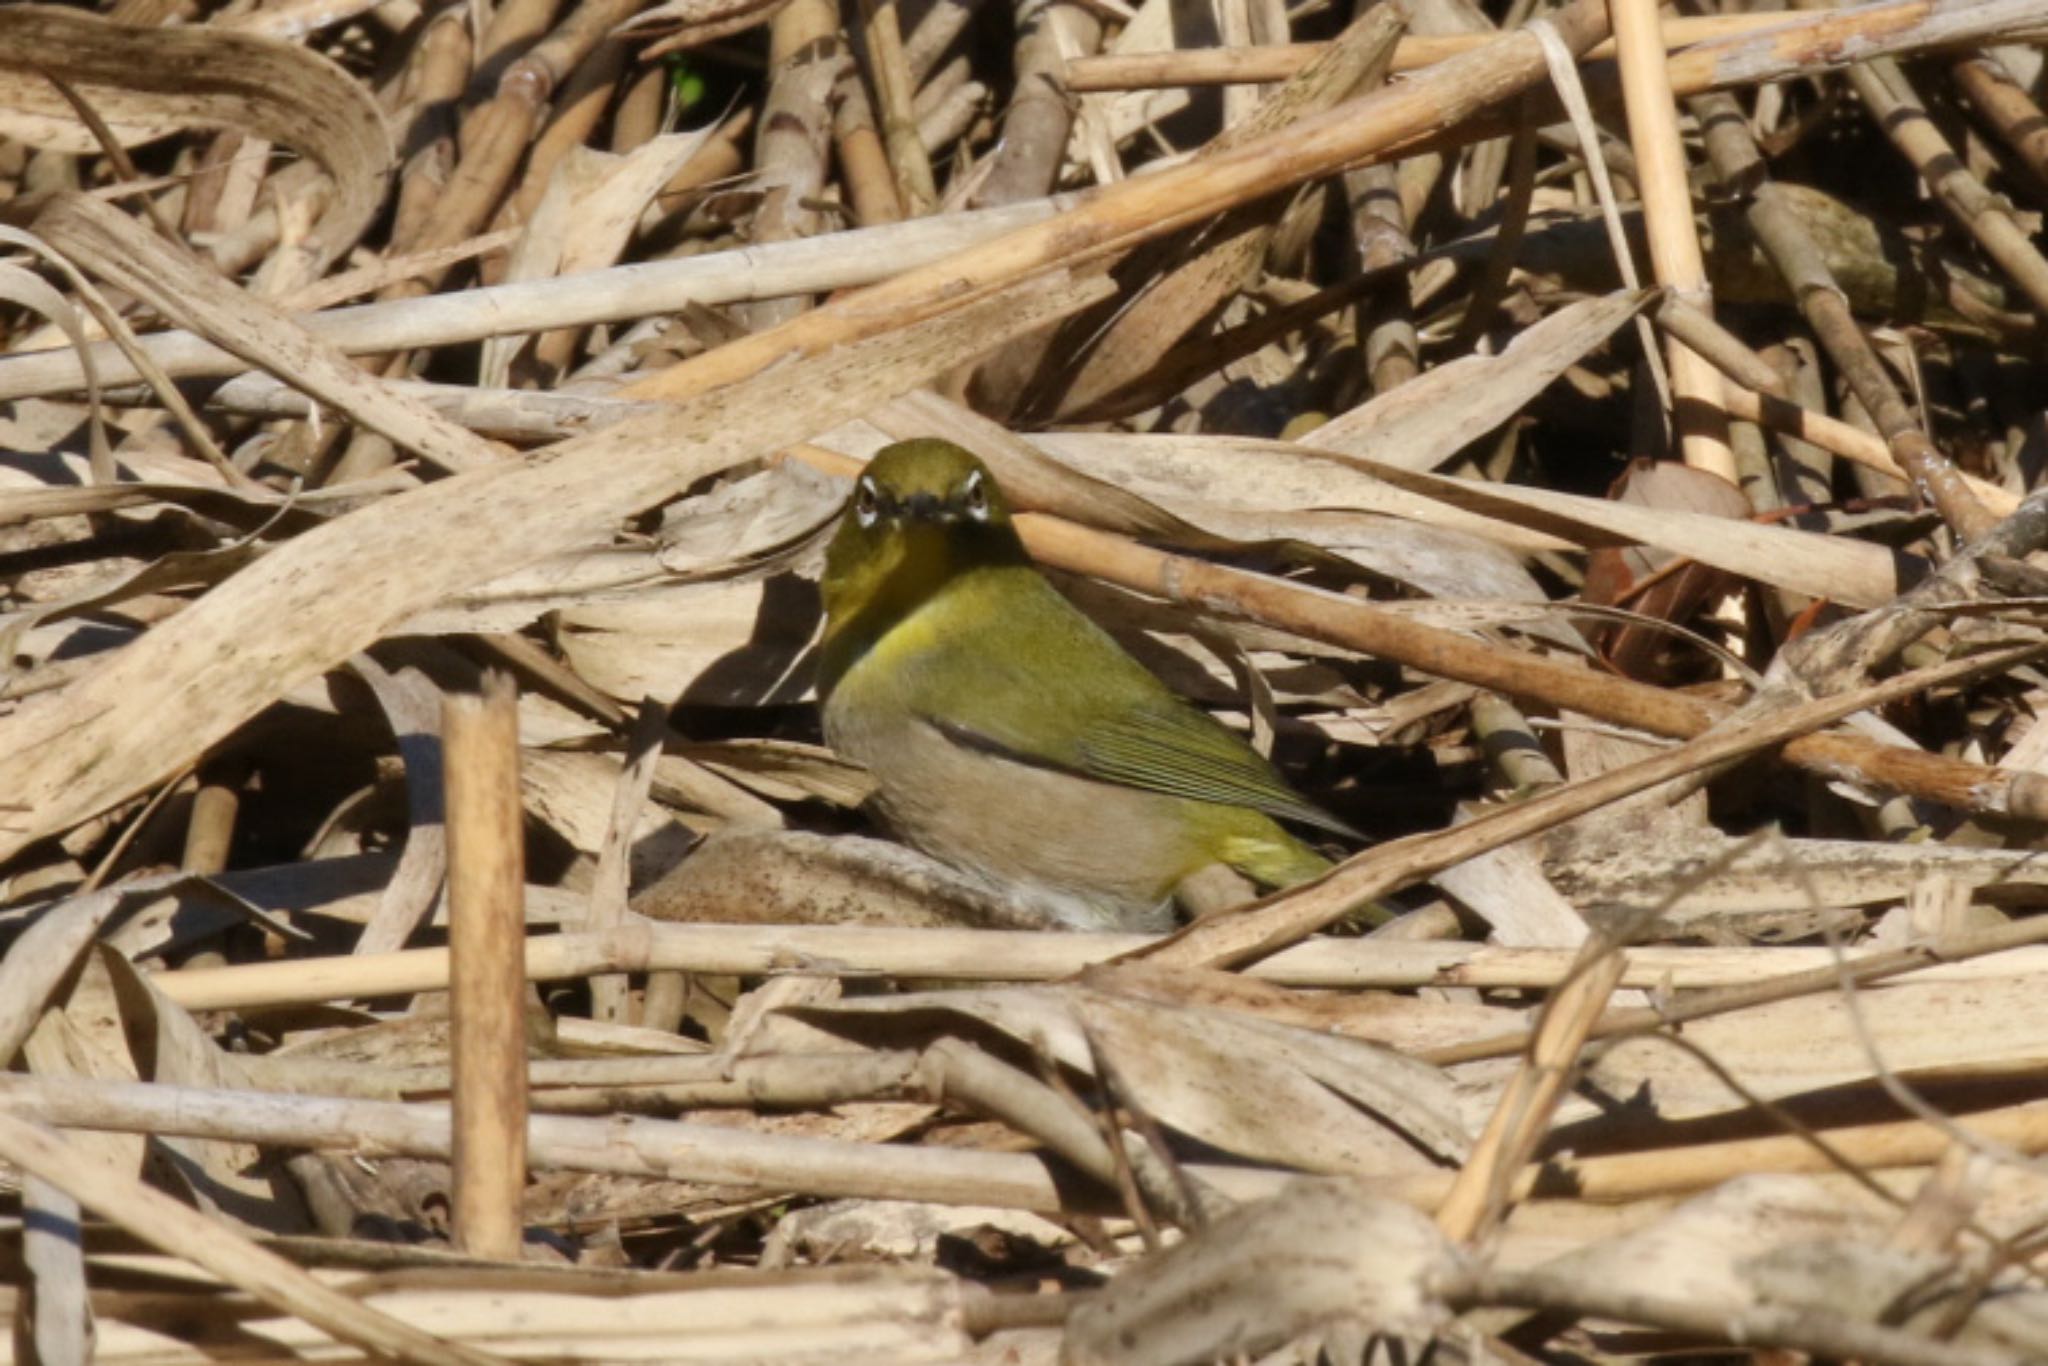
[[974, 494], [867, 503]]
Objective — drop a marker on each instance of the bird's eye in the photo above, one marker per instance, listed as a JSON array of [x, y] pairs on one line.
[[974, 496], [867, 503]]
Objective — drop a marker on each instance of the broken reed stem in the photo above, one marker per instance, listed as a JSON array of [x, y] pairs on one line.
[[184, 1233], [487, 968], [1279, 61], [1698, 422], [1478, 1199], [609, 998], [858, 951]]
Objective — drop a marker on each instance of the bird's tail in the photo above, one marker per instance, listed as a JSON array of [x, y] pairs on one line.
[[1277, 859]]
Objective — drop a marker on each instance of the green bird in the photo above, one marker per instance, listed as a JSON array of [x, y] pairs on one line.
[[1008, 735]]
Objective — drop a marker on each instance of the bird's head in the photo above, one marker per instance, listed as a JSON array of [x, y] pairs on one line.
[[922, 513]]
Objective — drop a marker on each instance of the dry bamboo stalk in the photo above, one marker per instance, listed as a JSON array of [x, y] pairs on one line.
[[1803, 46], [951, 116], [1760, 1328], [1666, 191], [714, 1078], [1026, 163], [1837, 437], [528, 415], [805, 56], [438, 75], [1036, 128], [53, 1323], [1277, 62], [863, 162], [620, 294], [163, 1223], [1231, 250], [210, 828], [664, 1149], [118, 249], [720, 158], [996, 955], [487, 978], [495, 134], [893, 94], [1780, 986], [1898, 1143], [342, 286], [1379, 227], [1841, 36]]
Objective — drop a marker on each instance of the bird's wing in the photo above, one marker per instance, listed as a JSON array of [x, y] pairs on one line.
[[1079, 704], [1183, 752]]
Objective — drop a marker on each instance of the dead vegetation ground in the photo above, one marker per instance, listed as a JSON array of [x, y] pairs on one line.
[[1607, 475]]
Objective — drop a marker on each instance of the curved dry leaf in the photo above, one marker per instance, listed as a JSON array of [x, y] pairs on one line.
[[1918, 1028], [1318, 1253], [146, 83], [1426, 421], [1855, 573], [28, 290], [592, 207], [1251, 475], [1697, 1250], [698, 22], [81, 1036], [1252, 1087], [736, 643], [222, 1175], [116, 248]]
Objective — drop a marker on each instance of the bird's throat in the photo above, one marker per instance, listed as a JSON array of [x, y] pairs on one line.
[[868, 598]]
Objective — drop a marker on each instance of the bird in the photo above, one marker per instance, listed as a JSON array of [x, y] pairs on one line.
[[1011, 737]]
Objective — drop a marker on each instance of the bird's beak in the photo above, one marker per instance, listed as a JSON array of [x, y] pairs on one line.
[[927, 507]]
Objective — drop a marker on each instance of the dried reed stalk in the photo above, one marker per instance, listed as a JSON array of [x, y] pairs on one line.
[[997, 955], [1666, 189], [487, 977]]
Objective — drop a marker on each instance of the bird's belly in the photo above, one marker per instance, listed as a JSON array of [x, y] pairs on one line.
[[1094, 855]]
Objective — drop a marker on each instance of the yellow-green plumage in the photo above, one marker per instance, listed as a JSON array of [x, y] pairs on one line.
[[1008, 734]]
